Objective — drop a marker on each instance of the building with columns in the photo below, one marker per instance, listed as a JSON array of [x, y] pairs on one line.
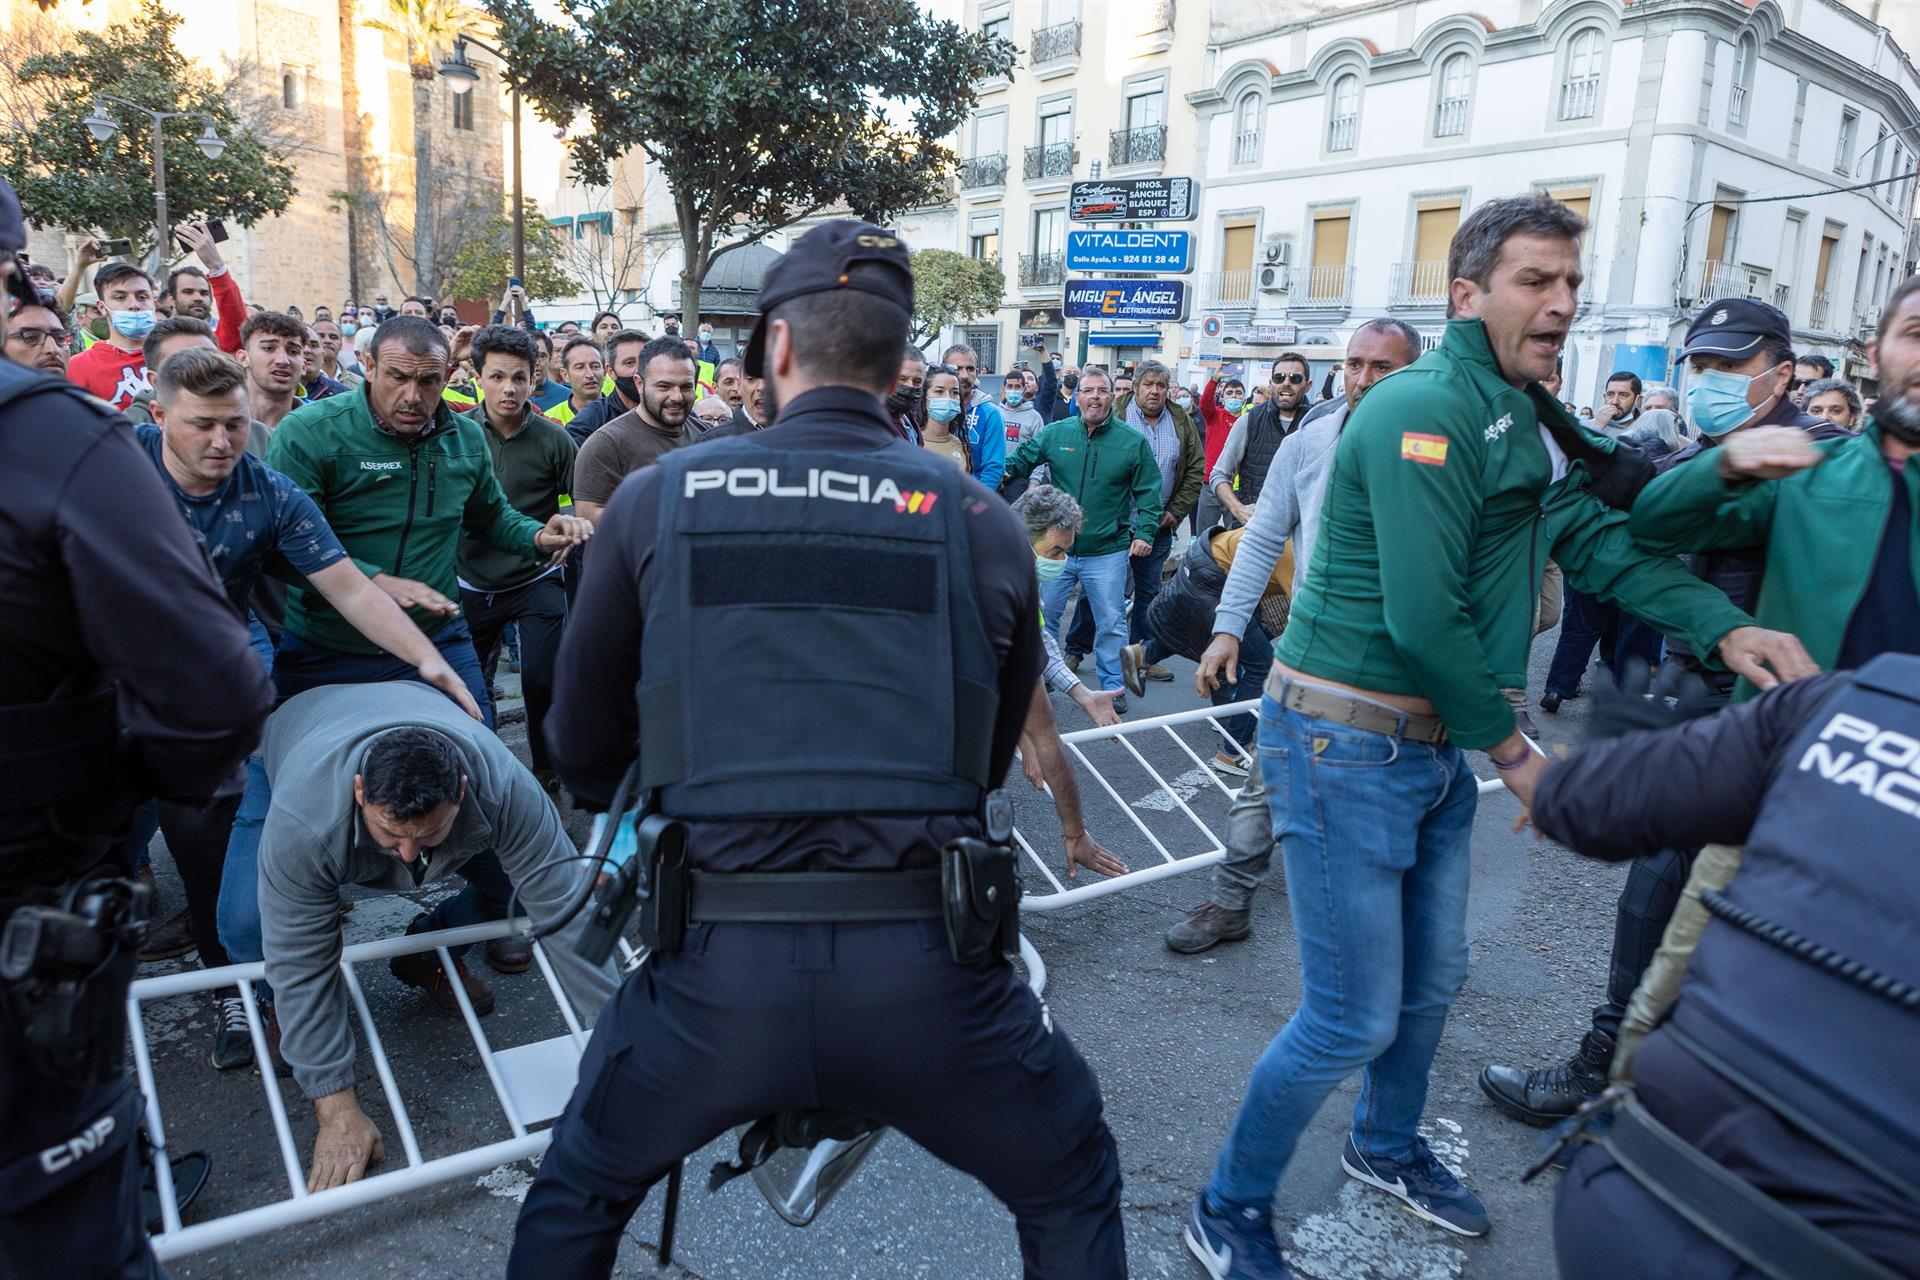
[[1762, 148]]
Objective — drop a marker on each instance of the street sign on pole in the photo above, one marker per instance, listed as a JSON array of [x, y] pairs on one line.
[[1155, 300], [1170, 251], [1134, 200]]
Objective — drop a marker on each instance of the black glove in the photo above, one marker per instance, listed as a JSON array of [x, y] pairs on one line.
[[1644, 701]]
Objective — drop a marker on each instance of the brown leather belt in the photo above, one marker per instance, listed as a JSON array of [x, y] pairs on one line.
[[1361, 713]]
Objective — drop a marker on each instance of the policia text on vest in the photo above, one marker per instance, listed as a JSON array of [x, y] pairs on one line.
[[848, 905]]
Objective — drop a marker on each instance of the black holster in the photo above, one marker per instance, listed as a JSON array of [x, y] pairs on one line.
[[980, 899], [65, 967], [654, 880]]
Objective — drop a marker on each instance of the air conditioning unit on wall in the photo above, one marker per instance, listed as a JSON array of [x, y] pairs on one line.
[[1273, 279]]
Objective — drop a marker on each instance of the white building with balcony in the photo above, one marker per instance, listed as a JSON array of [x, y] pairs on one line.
[[1100, 88], [1764, 148]]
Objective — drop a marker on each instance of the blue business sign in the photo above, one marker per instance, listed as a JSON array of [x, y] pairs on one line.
[[1155, 300], [1170, 251]]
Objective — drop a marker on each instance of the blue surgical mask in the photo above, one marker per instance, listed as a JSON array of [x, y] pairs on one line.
[[943, 409], [348, 328], [132, 324], [1717, 401], [1047, 570], [1015, 395], [1234, 404]]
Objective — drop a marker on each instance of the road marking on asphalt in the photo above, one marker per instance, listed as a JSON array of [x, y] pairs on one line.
[[508, 1181], [1367, 1234], [1186, 786]]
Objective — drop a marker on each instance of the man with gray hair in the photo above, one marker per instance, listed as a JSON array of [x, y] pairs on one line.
[[1835, 400], [1452, 482]]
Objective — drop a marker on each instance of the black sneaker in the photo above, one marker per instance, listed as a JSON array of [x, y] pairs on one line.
[[1234, 1246], [1427, 1187], [232, 1045]]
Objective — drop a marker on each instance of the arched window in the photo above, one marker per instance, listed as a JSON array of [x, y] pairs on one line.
[[1344, 120], [1745, 54], [1456, 83], [1580, 86], [1246, 127]]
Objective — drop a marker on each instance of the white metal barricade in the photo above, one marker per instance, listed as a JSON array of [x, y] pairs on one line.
[[1186, 840], [531, 1082]]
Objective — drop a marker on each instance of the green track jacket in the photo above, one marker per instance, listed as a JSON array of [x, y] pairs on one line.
[[1821, 528], [397, 506], [1106, 473], [1441, 513]]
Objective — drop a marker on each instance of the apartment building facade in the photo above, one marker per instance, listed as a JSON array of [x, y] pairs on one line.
[[1717, 147]]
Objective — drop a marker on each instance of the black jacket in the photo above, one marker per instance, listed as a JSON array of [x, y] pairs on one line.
[[100, 579], [1738, 573], [593, 726], [1698, 783]]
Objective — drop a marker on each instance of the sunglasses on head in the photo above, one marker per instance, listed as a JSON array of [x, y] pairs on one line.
[[1291, 379]]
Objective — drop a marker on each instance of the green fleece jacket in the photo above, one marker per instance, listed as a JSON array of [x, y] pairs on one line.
[[1442, 509], [1821, 528], [1107, 473], [397, 504]]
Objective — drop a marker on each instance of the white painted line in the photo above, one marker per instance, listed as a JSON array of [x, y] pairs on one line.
[[1186, 786]]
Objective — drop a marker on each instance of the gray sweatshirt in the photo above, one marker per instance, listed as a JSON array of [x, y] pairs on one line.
[[313, 843], [1289, 507]]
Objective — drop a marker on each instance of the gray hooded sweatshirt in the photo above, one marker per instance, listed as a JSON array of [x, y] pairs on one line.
[[313, 843]]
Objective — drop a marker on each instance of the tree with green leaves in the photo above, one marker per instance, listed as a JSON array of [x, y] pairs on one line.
[[484, 260], [429, 28], [65, 178], [757, 113], [950, 287]]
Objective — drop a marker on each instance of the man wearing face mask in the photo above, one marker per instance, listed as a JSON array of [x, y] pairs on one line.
[[1023, 423], [902, 402], [620, 390], [1739, 356], [393, 787], [116, 370]]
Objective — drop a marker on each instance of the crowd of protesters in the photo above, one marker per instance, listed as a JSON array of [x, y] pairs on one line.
[[388, 494]]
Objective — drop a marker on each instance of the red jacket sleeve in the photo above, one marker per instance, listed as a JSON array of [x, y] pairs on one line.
[[231, 309]]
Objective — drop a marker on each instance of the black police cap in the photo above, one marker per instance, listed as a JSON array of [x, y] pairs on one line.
[[844, 254], [1736, 328]]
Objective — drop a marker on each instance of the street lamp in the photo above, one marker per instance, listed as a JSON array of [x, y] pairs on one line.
[[461, 76], [102, 126]]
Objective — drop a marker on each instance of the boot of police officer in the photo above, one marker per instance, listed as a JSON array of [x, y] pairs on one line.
[[124, 674], [871, 615], [1772, 1128]]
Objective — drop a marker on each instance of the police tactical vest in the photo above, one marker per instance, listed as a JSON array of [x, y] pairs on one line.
[[813, 643], [1798, 981]]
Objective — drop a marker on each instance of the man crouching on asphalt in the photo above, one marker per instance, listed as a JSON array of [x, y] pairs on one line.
[[1451, 485], [394, 787]]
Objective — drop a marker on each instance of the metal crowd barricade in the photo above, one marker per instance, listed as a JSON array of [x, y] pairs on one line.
[[1186, 841], [531, 1082]]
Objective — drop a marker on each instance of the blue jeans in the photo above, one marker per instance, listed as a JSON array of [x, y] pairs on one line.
[[300, 666], [1376, 834], [1146, 585], [1103, 582]]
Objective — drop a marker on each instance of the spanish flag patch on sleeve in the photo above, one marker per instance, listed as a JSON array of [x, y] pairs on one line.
[[1418, 447]]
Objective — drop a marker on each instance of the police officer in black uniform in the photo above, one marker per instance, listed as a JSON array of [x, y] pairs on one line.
[[823, 642], [124, 675], [1773, 1125]]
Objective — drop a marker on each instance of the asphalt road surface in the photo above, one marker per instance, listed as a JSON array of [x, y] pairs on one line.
[[1171, 1037]]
